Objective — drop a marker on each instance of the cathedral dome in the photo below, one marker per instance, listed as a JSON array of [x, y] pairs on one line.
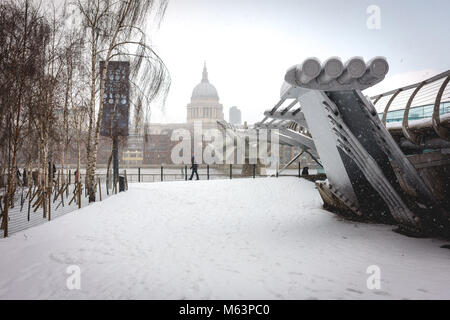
[[205, 90]]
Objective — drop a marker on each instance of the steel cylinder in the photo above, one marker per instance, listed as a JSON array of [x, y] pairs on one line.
[[353, 69], [308, 70], [376, 69], [331, 69]]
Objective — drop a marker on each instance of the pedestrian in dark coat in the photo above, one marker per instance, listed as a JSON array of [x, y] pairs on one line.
[[194, 169], [77, 176], [24, 177], [18, 175], [35, 176]]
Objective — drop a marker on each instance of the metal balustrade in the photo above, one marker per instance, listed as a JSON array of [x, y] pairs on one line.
[[427, 99]]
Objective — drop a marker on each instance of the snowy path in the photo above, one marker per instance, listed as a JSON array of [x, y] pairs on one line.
[[239, 239]]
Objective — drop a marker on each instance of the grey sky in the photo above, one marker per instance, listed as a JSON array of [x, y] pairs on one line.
[[248, 44]]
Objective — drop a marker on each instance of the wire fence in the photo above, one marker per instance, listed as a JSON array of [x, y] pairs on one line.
[[34, 205]]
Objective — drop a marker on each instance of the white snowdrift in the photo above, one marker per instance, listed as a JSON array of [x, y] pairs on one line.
[[239, 239]]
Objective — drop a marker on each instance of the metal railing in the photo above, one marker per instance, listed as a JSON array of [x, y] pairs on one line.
[[210, 173], [416, 113], [184, 173], [433, 93]]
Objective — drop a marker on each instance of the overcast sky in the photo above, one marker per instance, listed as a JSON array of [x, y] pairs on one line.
[[249, 44]]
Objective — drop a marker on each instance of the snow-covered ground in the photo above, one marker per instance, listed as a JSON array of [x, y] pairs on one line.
[[240, 239]]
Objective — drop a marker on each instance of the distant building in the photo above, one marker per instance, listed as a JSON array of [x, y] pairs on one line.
[[157, 148], [133, 153], [235, 116], [204, 104], [153, 146]]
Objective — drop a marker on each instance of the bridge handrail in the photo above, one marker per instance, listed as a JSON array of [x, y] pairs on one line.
[[434, 92]]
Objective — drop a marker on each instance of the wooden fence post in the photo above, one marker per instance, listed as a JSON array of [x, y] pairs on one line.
[[50, 202], [79, 195], [100, 188], [29, 202], [43, 202]]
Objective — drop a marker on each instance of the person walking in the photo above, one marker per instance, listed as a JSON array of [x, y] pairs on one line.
[[35, 177], [194, 169], [24, 177], [77, 176], [18, 176], [305, 171]]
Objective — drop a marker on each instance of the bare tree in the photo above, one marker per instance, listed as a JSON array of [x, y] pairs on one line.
[[23, 34], [49, 98], [116, 30]]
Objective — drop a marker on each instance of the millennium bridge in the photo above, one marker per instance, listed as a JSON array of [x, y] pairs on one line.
[[390, 167]]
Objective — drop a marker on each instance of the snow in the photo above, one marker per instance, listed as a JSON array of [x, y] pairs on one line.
[[419, 123], [241, 239]]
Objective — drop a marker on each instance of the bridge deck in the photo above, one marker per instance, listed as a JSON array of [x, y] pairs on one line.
[[253, 239]]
